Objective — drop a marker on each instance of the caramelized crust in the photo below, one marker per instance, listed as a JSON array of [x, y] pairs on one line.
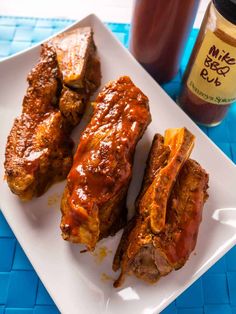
[[150, 255], [157, 159], [188, 196], [39, 148], [93, 203], [80, 70], [73, 62], [154, 201], [72, 105]]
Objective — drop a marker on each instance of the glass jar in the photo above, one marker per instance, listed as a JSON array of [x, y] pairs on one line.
[[209, 82], [159, 31]]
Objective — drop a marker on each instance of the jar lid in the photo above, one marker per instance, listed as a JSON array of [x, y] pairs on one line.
[[227, 9]]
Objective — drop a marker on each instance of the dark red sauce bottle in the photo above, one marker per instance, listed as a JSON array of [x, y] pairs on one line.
[[159, 31]]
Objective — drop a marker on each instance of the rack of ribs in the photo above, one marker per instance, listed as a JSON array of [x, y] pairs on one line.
[[164, 232], [93, 204], [39, 147]]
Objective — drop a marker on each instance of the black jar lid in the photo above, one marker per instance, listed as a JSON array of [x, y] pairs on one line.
[[227, 9]]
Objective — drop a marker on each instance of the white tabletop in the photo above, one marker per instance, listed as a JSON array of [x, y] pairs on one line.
[[108, 10]]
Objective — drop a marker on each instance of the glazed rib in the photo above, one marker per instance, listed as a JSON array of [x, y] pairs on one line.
[[157, 159], [80, 70], [93, 204], [154, 201], [150, 255], [39, 148], [75, 62]]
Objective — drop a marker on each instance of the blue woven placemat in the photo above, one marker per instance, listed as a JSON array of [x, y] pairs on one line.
[[21, 291]]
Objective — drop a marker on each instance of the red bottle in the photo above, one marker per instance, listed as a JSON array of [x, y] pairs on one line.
[[159, 32]]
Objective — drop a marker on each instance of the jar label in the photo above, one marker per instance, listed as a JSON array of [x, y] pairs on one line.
[[213, 75]]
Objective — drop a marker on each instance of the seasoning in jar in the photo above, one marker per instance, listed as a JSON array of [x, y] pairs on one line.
[[209, 82], [159, 31]]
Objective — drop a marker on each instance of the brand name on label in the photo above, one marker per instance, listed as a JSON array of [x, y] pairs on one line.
[[216, 65], [213, 74]]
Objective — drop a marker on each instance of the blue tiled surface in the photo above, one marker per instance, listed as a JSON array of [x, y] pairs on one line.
[[19, 311], [21, 291], [43, 298], [4, 283], [7, 252], [231, 277], [192, 297], [20, 260], [215, 288], [196, 310], [217, 309], [45, 310]]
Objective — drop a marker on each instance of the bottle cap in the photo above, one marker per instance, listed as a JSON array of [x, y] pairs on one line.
[[227, 8]]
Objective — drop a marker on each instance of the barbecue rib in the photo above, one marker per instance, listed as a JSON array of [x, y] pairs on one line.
[[93, 204], [154, 201], [147, 254], [39, 148]]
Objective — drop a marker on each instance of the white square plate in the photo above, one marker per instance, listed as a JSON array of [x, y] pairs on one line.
[[82, 283]]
